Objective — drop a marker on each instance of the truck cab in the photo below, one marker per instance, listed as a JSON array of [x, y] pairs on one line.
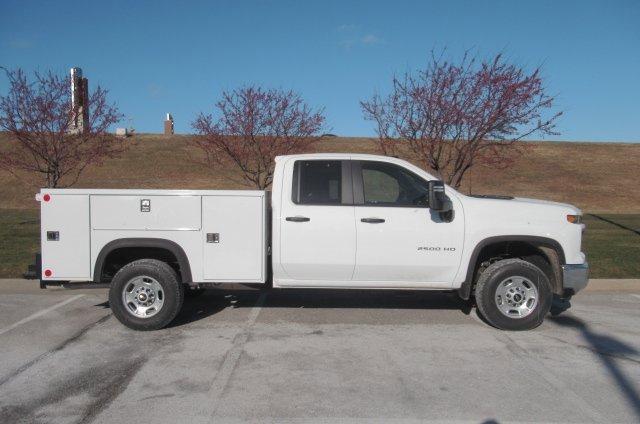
[[337, 221], [361, 221]]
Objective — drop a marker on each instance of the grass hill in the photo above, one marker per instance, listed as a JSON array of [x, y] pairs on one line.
[[601, 178], [598, 177]]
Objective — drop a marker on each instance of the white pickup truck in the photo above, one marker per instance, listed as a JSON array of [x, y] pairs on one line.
[[331, 221]]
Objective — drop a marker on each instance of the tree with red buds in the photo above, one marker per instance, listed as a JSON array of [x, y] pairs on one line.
[[39, 115], [252, 126], [452, 116]]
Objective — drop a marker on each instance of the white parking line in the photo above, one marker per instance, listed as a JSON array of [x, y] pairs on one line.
[[253, 315], [230, 362], [40, 313], [636, 295]]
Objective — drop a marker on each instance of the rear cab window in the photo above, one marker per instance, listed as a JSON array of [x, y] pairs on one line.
[[322, 182]]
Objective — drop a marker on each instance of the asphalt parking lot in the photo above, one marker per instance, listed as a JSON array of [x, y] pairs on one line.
[[318, 356]]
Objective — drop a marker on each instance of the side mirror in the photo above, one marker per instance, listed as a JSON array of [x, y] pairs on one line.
[[437, 198]]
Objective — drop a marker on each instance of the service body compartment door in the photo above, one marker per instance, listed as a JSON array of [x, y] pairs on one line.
[[145, 212], [234, 238], [65, 242]]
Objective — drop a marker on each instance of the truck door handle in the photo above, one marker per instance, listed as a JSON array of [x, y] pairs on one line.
[[298, 219], [372, 220]]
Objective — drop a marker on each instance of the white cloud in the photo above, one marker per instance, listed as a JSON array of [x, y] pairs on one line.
[[347, 44], [365, 40], [370, 39], [347, 27], [353, 36]]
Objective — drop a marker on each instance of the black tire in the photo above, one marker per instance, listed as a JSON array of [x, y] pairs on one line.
[[172, 292], [493, 276]]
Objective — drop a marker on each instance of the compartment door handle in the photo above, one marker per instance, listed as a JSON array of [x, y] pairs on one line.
[[372, 220], [298, 219]]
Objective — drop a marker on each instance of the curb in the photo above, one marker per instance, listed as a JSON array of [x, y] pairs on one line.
[[610, 284]]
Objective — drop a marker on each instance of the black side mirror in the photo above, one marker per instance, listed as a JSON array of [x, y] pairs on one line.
[[437, 198]]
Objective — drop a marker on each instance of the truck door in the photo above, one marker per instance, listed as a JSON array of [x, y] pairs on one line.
[[317, 228], [399, 238]]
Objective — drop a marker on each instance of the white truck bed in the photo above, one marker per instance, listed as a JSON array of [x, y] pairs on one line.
[[223, 232]]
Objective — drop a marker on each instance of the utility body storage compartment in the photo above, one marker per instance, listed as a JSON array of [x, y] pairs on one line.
[[135, 212], [234, 238], [223, 234], [65, 236]]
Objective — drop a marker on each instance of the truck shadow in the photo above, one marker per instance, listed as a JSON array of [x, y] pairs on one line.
[[213, 301], [617, 224], [609, 351]]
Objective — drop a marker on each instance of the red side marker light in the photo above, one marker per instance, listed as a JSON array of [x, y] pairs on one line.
[[48, 273], [46, 197]]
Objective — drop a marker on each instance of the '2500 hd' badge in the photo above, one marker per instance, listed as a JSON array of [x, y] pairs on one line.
[[437, 248]]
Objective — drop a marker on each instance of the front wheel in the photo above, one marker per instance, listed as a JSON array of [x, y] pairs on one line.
[[146, 295], [513, 294]]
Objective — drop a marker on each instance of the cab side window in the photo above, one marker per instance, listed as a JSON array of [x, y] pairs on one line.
[[317, 182], [386, 184]]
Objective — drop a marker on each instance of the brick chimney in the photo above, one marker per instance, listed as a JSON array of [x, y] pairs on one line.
[[168, 125]]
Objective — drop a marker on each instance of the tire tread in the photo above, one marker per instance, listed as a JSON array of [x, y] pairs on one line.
[[488, 309], [170, 309]]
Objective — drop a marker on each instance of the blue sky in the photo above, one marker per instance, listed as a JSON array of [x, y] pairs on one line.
[[157, 57]]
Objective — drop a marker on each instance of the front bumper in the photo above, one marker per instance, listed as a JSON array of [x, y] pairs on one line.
[[575, 277]]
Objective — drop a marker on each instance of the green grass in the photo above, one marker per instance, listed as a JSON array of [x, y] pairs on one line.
[[613, 252], [19, 240]]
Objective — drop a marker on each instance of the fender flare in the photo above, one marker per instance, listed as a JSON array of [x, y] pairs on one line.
[[171, 246], [465, 289]]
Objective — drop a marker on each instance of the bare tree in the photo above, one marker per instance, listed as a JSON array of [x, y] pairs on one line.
[[451, 117], [38, 115], [252, 127]]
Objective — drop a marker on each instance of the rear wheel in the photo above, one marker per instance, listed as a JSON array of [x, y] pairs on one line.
[[513, 294], [146, 295]]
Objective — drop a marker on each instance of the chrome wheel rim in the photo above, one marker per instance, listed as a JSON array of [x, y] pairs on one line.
[[143, 296], [516, 297]]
